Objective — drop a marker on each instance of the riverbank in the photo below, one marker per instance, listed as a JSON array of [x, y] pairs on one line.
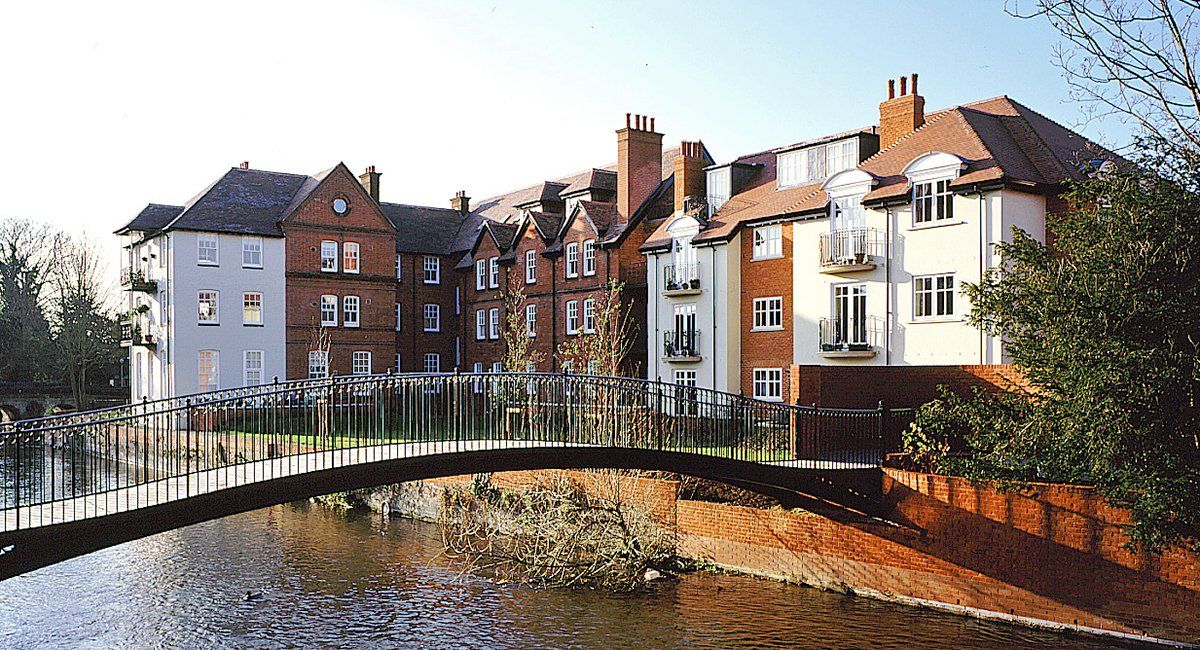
[[1053, 559]]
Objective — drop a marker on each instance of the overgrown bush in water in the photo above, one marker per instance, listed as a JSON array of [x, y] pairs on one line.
[[560, 532]]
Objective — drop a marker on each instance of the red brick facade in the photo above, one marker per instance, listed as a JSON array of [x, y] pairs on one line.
[[414, 290], [765, 278], [313, 222]]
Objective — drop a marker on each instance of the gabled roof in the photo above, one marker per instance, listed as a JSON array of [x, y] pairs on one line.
[[1002, 142], [153, 217], [547, 224], [422, 229], [604, 180]]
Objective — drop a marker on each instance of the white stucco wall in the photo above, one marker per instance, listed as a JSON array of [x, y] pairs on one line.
[[230, 337]]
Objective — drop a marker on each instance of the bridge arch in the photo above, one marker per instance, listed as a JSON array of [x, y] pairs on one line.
[[253, 448]]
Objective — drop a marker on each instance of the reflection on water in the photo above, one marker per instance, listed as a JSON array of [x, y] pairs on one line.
[[320, 579]]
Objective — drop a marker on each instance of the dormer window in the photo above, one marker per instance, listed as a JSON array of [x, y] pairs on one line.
[[814, 164], [718, 190]]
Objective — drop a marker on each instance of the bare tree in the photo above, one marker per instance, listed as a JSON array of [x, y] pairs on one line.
[[1131, 59], [605, 348], [519, 353], [84, 327], [25, 256]]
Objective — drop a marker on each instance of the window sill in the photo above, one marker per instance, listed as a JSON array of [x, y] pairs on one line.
[[431, 282], [350, 272], [936, 319], [257, 267], [208, 324], [572, 277], [328, 270], [207, 264], [766, 257], [354, 326], [767, 329], [768, 399], [328, 324], [252, 324], [588, 275], [937, 224], [429, 331]]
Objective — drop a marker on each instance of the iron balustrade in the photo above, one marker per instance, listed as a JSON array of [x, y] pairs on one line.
[[851, 334], [684, 276], [152, 452], [680, 344], [138, 279], [133, 332], [851, 246]]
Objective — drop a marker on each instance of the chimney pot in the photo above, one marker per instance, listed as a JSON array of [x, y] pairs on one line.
[[891, 88], [461, 202], [652, 124], [627, 124], [245, 164], [903, 86], [914, 83]]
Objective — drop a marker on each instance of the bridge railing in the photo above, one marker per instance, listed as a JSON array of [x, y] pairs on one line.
[[174, 448]]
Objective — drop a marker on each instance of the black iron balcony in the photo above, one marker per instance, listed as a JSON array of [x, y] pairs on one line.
[[133, 335], [681, 345], [851, 249], [681, 279], [138, 280], [852, 337]]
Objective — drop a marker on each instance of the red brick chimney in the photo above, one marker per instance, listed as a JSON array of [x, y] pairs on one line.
[[689, 173], [370, 180], [639, 163], [461, 202], [245, 165], [900, 115]]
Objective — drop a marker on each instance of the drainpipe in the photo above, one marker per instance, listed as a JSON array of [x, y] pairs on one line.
[[651, 349], [982, 254], [713, 257], [887, 283]]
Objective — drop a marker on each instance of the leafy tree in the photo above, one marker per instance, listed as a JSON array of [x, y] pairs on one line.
[[604, 350], [1106, 327], [519, 352]]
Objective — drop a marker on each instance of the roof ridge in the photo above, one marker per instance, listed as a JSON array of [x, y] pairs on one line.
[[414, 205], [937, 117], [1069, 168]]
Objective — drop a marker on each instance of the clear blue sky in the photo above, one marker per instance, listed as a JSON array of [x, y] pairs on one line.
[[112, 105]]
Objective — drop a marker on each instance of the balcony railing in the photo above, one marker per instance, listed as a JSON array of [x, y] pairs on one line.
[[851, 249], [681, 278], [853, 337], [138, 280], [681, 345], [133, 334]]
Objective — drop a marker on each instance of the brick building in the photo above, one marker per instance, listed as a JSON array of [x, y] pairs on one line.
[[333, 280]]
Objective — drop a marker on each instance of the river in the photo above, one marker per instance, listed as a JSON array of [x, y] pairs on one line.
[[321, 578]]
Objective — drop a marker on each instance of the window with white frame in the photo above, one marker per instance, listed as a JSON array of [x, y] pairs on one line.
[[768, 313], [329, 256], [531, 319], [433, 362], [840, 156], [480, 275], [530, 266], [589, 257], [252, 367], [360, 362], [933, 296], [572, 317], [252, 252], [572, 260], [493, 323], [207, 304], [768, 384], [433, 318], [815, 163], [206, 250], [497, 366], [768, 241], [932, 202], [399, 267], [593, 367], [350, 257], [850, 314], [685, 378], [399, 359], [208, 370], [350, 311], [480, 324], [329, 310], [493, 272], [433, 270], [717, 188], [318, 364], [589, 316], [568, 367], [399, 318], [252, 308], [477, 368]]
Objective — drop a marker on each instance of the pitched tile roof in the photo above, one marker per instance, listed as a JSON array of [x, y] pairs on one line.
[[1001, 140], [422, 229], [243, 201], [152, 217], [604, 180]]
